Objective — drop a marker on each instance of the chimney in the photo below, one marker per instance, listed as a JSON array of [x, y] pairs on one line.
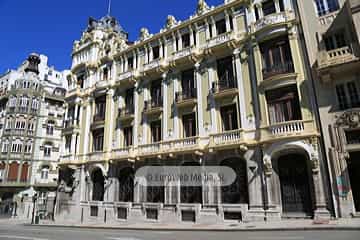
[[33, 63]]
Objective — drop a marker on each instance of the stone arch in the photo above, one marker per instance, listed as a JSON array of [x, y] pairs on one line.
[[237, 192], [98, 182]]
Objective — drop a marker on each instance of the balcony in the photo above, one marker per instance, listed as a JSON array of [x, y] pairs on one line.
[[153, 106], [186, 98], [289, 129], [273, 20], [183, 55], [128, 77], [96, 157], [122, 153], [336, 57], [227, 138], [99, 117], [327, 19], [226, 87], [71, 124], [156, 65], [278, 69], [67, 158], [126, 113], [220, 40], [169, 147]]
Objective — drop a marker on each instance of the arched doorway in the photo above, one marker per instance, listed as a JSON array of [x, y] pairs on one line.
[[126, 185], [190, 194], [237, 192], [353, 165], [13, 172], [295, 184], [98, 179]]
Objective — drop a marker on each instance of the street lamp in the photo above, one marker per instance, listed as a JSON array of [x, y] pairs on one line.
[[34, 198]]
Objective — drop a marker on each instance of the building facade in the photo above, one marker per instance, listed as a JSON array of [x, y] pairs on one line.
[[227, 87], [32, 112], [331, 30]]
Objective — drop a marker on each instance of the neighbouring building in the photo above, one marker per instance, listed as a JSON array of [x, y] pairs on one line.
[[229, 86], [31, 120], [332, 31]]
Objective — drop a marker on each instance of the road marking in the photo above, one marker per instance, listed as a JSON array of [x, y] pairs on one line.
[[21, 237], [277, 238], [123, 238]]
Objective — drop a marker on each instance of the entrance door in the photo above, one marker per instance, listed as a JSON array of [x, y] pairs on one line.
[[354, 170], [294, 182]]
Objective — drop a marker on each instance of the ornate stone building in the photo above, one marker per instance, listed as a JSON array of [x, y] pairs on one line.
[[331, 30], [229, 86], [32, 112]]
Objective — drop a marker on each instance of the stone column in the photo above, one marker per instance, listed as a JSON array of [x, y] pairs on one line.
[[180, 41], [165, 106], [200, 107], [213, 29], [256, 205], [109, 121], [277, 5], [191, 32], [137, 117], [211, 74], [227, 21]]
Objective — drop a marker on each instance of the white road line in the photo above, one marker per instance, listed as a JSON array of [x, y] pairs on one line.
[[123, 238], [278, 238], [21, 237]]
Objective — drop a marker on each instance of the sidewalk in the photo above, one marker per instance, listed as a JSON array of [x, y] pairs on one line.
[[284, 225]]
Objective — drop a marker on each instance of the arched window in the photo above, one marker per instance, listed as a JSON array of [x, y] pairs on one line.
[[98, 180], [45, 172], [237, 192], [48, 149], [50, 127], [126, 185], [13, 172], [24, 172]]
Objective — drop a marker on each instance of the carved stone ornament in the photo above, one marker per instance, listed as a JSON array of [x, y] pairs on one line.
[[349, 119], [202, 7], [268, 166], [315, 164], [171, 21], [144, 34]]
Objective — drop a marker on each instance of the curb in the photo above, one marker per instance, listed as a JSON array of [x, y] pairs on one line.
[[174, 229]]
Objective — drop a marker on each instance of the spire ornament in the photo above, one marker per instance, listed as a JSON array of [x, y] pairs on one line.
[[202, 7]]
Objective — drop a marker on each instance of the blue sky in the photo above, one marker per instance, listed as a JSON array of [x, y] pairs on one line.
[[51, 26]]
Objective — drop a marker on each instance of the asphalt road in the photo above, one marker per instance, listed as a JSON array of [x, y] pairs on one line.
[[20, 232]]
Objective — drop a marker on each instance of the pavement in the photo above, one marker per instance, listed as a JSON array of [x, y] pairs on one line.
[[283, 225], [16, 230]]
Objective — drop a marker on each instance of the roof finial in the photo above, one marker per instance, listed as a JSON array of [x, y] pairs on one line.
[[109, 8]]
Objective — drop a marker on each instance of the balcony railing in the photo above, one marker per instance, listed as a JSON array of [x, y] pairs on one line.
[[96, 157], [152, 104], [219, 39], [99, 117], [186, 95], [69, 123], [227, 137], [287, 128], [277, 69], [271, 19], [169, 146], [328, 18], [156, 63], [126, 111], [225, 83], [186, 52], [336, 56], [121, 152]]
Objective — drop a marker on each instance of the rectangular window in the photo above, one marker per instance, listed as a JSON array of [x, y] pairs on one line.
[[128, 136], [335, 41], [187, 82], [129, 99], [353, 136], [283, 105], [156, 52], [185, 40], [268, 7], [100, 108], [47, 151], [225, 73], [221, 26], [353, 94], [98, 140], [341, 96], [189, 124], [156, 131], [229, 117], [326, 6], [276, 57], [130, 63], [156, 94]]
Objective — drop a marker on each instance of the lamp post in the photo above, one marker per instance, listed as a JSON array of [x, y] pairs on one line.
[[34, 198]]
